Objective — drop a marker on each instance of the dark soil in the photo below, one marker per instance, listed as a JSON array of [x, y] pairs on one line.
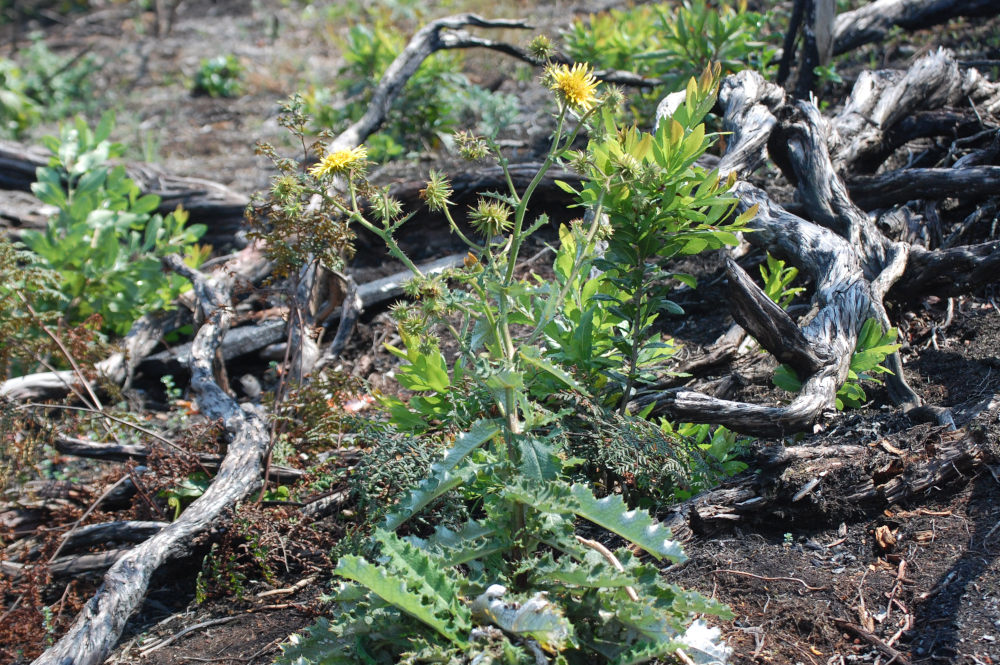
[[827, 591]]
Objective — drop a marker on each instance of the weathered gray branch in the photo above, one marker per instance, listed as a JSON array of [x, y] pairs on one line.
[[872, 21], [98, 626]]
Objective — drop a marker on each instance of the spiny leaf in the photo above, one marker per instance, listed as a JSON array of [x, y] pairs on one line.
[[537, 617], [593, 572], [634, 525], [443, 477], [430, 610]]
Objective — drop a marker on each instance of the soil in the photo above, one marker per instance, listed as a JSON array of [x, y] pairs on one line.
[[918, 582]]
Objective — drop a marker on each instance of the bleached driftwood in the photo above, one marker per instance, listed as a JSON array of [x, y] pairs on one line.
[[97, 628]]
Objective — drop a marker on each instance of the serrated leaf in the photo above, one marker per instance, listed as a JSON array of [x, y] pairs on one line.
[[398, 593], [593, 572], [537, 618], [539, 460], [636, 526], [442, 476], [474, 541], [551, 497]]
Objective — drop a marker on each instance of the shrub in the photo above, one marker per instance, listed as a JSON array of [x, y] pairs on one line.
[[219, 77], [44, 86], [435, 100], [671, 42], [105, 241]]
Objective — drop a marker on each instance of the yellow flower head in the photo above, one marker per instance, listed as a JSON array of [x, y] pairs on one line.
[[339, 161], [576, 85]]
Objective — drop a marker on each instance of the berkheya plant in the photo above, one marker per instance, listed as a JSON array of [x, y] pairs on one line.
[[516, 584], [105, 239]]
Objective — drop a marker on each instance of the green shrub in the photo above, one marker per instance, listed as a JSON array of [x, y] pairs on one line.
[[44, 86], [105, 241], [219, 77], [62, 85], [671, 42], [777, 281], [18, 111]]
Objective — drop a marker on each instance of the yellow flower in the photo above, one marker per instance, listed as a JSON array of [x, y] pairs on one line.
[[575, 84], [339, 161]]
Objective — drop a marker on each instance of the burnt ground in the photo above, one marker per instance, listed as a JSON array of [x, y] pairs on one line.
[[931, 596]]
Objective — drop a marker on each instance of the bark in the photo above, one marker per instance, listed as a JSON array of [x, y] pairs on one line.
[[886, 108], [966, 184], [253, 338], [872, 22], [98, 626]]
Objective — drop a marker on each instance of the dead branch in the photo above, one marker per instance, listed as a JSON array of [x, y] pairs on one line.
[[98, 626], [432, 37], [249, 339], [887, 107], [852, 264], [935, 459], [871, 22], [248, 264], [884, 190], [113, 452]]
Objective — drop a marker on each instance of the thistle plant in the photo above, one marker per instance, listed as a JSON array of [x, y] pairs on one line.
[[514, 583]]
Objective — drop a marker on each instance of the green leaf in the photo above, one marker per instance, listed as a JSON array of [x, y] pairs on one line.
[[398, 592], [593, 572], [537, 617], [442, 474], [786, 379], [539, 460], [533, 356], [635, 526]]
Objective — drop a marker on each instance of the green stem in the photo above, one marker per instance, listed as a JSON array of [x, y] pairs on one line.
[[522, 205], [454, 227], [553, 305]]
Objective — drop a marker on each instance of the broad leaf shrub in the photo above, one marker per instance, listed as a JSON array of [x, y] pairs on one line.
[[105, 240], [221, 76], [514, 582], [672, 42]]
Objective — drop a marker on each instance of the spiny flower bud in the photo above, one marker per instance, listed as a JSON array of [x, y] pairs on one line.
[[470, 146], [490, 217], [437, 192]]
